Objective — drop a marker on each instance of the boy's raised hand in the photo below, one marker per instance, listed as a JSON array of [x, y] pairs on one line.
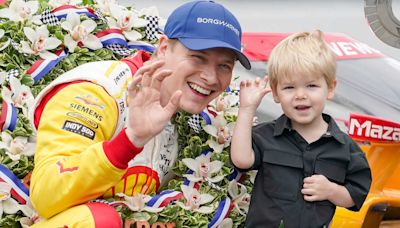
[[252, 92], [146, 116]]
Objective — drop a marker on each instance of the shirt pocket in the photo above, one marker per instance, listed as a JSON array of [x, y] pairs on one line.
[[282, 174], [333, 170]]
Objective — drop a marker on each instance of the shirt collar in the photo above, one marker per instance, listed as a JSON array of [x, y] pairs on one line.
[[283, 122]]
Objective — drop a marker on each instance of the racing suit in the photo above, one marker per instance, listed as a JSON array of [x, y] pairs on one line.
[[83, 152]]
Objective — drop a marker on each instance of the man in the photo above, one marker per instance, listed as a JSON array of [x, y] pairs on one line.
[[98, 136]]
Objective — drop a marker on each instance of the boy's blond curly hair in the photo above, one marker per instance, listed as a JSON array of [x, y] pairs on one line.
[[303, 53]]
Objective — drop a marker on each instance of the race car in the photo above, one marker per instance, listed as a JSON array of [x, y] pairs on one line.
[[366, 106]]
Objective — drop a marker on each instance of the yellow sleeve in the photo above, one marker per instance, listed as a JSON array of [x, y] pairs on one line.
[[70, 164]]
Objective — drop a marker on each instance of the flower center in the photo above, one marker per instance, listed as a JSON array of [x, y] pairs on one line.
[[25, 12], [79, 33], [223, 135], [38, 46], [204, 169]]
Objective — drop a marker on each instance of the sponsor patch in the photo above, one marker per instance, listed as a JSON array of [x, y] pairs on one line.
[[79, 129], [83, 118], [90, 101]]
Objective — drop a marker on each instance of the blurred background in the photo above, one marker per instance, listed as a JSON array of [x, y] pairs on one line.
[[343, 16]]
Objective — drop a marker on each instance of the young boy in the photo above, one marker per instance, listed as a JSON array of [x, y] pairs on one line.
[[306, 165]]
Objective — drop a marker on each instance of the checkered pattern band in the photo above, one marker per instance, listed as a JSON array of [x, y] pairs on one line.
[[152, 27], [48, 18], [12, 73], [16, 46], [120, 50], [195, 122], [100, 15]]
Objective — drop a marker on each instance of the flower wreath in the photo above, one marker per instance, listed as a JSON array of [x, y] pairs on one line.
[[40, 40]]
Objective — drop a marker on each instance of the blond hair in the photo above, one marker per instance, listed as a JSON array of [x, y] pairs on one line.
[[302, 53]]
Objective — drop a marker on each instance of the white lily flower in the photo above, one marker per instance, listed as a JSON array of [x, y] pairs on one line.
[[20, 10], [15, 147], [221, 132], [239, 196], [6, 43], [8, 205], [80, 32], [226, 104], [104, 6], [40, 42], [194, 200], [138, 202], [19, 95], [226, 223], [126, 20], [203, 169], [56, 3]]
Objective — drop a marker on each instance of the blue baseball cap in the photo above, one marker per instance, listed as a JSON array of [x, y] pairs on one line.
[[201, 25]]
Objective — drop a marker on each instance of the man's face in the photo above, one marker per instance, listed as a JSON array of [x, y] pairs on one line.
[[200, 75]]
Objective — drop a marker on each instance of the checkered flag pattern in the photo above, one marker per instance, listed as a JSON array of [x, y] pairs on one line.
[[16, 46], [48, 18], [120, 50], [152, 27], [234, 92], [100, 15], [12, 73], [195, 122]]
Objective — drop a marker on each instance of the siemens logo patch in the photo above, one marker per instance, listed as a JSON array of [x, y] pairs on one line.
[[217, 22], [79, 129]]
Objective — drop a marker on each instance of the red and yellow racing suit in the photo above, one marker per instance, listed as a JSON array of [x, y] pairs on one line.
[[82, 150]]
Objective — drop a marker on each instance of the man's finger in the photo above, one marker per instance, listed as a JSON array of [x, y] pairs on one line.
[[133, 85], [173, 102], [159, 77]]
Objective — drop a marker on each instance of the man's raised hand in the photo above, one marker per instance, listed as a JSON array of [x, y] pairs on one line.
[[147, 117]]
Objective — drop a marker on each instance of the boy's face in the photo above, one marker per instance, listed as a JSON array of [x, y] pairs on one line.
[[303, 98], [200, 75]]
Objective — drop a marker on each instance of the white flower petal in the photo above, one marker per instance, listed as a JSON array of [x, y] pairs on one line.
[[10, 206], [116, 10], [47, 55], [132, 35], [204, 210], [5, 44], [216, 146], [6, 13], [211, 130], [26, 48], [70, 43], [52, 43], [139, 23], [215, 179], [215, 166], [153, 210], [206, 198], [92, 42], [66, 25], [74, 19], [192, 178], [90, 25], [30, 34], [42, 31], [191, 163], [33, 6], [1, 33]]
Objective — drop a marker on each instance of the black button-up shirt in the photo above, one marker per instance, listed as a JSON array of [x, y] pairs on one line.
[[283, 159]]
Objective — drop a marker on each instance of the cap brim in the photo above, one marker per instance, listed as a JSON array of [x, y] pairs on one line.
[[202, 44]]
